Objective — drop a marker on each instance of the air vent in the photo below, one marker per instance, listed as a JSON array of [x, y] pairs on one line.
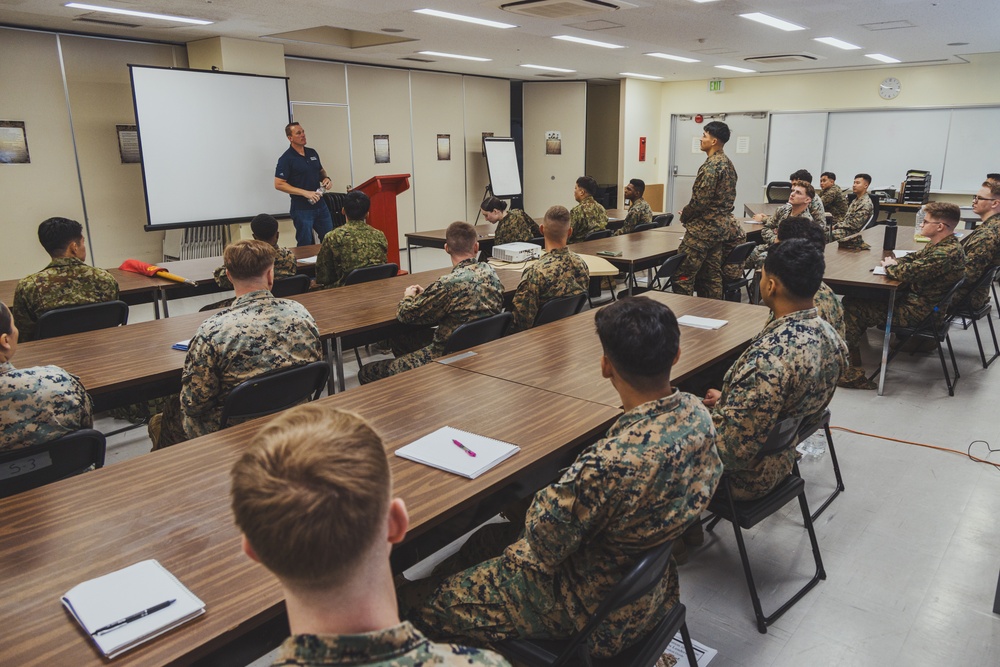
[[559, 9], [117, 24], [782, 59], [553, 75], [887, 25], [418, 60]]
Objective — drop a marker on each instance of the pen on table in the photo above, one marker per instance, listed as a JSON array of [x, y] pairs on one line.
[[133, 617], [464, 448]]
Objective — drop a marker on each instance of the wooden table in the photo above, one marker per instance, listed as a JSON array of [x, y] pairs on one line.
[[131, 287], [564, 357], [767, 208], [751, 228], [639, 250], [173, 505], [435, 239]]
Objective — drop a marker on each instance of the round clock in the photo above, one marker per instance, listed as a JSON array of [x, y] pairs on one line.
[[889, 88]]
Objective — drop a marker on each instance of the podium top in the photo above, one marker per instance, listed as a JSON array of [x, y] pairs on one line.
[[394, 183]]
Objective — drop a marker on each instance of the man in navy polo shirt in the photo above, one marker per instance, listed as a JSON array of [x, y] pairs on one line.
[[300, 174]]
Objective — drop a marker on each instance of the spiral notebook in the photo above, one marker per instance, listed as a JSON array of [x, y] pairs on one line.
[[452, 450]]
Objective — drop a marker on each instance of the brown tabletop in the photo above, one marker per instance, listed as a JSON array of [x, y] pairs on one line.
[[751, 228], [173, 505], [750, 210], [435, 239], [564, 357], [128, 284], [639, 250]]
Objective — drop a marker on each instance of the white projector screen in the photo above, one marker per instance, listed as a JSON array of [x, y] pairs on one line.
[[209, 143], [501, 161]]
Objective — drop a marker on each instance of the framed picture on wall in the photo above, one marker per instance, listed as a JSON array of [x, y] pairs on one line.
[[13, 142], [381, 148], [444, 146], [553, 142], [128, 143]]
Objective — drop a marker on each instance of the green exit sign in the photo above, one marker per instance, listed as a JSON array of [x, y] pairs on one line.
[[716, 86]]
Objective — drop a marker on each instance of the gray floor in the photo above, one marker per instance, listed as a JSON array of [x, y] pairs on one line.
[[911, 549]]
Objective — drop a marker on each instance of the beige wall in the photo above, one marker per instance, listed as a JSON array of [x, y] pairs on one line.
[[641, 117], [487, 109], [549, 179], [603, 123]]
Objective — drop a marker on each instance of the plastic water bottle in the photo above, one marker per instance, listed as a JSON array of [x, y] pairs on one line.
[[917, 236], [814, 445]]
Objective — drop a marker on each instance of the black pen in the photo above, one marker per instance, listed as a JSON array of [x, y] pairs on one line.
[[134, 617]]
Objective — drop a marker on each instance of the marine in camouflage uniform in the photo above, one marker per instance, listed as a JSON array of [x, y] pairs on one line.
[[586, 217], [257, 334], [982, 250], [834, 202], [790, 370], [66, 281], [711, 231], [829, 308], [284, 266], [854, 220], [399, 646], [769, 232], [470, 292], [560, 272], [651, 476], [639, 213], [516, 226], [40, 404], [353, 245]]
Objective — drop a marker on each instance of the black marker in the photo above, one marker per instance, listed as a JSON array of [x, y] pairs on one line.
[[134, 617]]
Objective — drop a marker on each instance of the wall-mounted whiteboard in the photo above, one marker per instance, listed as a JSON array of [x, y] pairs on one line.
[[973, 149], [501, 161], [209, 142], [795, 141]]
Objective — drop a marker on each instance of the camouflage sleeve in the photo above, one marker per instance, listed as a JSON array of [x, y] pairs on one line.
[[24, 316], [637, 215], [817, 212], [221, 279], [855, 218], [526, 300], [110, 285], [981, 253], [532, 225], [701, 194], [769, 232], [284, 264], [925, 266], [326, 272], [428, 307], [200, 385], [750, 402], [86, 405]]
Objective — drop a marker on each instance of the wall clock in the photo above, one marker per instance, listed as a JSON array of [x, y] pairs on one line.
[[889, 88]]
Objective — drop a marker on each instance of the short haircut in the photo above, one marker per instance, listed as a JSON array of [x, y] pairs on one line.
[[55, 234], [993, 177], [719, 130], [993, 187], [288, 128], [829, 174], [638, 184], [801, 175], [356, 205], [807, 186], [865, 177], [264, 226], [556, 222], [6, 319], [798, 265], [461, 238], [312, 493], [493, 204], [801, 227], [587, 184], [248, 258], [640, 338], [944, 212]]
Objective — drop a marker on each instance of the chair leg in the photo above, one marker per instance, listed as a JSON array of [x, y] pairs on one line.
[[944, 367], [979, 342], [689, 647], [996, 346], [754, 597], [357, 355], [836, 473]]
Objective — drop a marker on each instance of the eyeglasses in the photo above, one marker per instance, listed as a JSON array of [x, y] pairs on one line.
[[976, 198]]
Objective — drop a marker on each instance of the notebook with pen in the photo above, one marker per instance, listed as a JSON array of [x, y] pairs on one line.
[[130, 606], [459, 452]]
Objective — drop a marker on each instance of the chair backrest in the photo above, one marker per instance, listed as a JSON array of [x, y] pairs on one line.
[[30, 467], [366, 274], [777, 192], [560, 307], [275, 391], [640, 580], [944, 305], [739, 254], [876, 207], [77, 319], [645, 227], [783, 436], [989, 275], [291, 285], [478, 332], [599, 234], [538, 241], [663, 220], [669, 267]]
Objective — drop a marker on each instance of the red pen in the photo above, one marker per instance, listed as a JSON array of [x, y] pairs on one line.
[[464, 448]]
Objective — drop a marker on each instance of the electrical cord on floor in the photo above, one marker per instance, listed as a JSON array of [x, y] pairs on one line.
[[968, 453]]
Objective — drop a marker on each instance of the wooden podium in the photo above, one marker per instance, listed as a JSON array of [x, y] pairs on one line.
[[382, 190]]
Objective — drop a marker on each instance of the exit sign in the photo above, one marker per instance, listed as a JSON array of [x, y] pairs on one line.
[[716, 86]]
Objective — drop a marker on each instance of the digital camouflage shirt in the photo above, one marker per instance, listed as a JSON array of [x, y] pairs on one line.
[[586, 217], [40, 404], [639, 213], [353, 245], [514, 227], [559, 272], [834, 202], [854, 220], [284, 266], [713, 197], [66, 281], [982, 250]]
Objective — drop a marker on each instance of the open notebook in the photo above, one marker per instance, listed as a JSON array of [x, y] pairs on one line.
[[439, 450], [107, 605]]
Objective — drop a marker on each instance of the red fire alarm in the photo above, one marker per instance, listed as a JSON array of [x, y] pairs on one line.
[[698, 118], [642, 149]]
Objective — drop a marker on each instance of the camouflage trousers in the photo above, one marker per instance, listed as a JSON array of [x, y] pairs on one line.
[[702, 271], [861, 314], [765, 474], [412, 350], [167, 427]]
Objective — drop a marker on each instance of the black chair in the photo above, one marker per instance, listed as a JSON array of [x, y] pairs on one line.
[[560, 307], [38, 465], [366, 274], [731, 288], [291, 285], [777, 192], [804, 432], [599, 234], [645, 227], [275, 391], [876, 208], [663, 220], [77, 319], [538, 241], [478, 332], [664, 278], [965, 310], [639, 581], [747, 514], [933, 327]]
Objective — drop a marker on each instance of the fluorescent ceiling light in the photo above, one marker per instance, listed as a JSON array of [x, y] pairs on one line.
[[549, 69], [839, 43], [467, 19], [701, 2], [771, 21], [641, 76], [882, 58], [454, 55], [735, 69], [129, 12], [588, 42], [667, 56]]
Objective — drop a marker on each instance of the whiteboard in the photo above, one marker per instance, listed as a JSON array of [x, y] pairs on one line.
[[796, 141], [501, 161], [209, 143], [973, 149]]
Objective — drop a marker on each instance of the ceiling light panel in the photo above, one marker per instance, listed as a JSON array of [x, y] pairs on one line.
[[550, 69], [454, 55], [882, 58], [667, 56], [144, 15], [768, 20], [588, 42], [462, 17], [839, 43], [733, 68], [641, 76]]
